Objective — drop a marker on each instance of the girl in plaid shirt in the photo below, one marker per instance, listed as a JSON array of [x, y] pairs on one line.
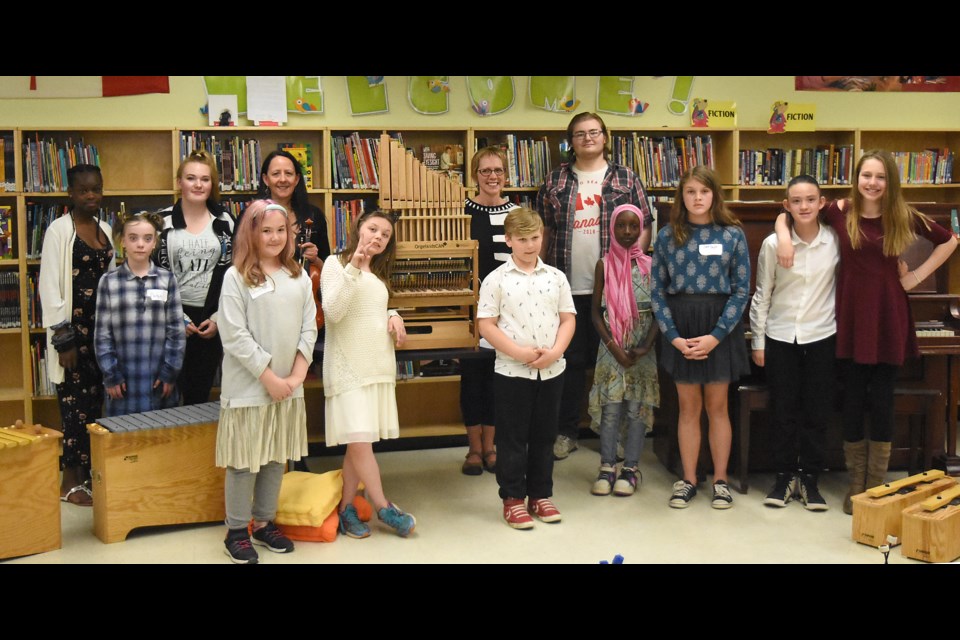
[[139, 337]]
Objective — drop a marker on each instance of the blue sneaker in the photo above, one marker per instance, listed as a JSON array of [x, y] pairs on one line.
[[351, 525], [271, 537], [392, 516]]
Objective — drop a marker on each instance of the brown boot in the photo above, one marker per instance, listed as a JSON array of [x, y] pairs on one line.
[[877, 460], [855, 454]]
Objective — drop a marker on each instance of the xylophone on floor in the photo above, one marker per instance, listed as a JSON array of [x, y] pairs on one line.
[[29, 490], [155, 468]]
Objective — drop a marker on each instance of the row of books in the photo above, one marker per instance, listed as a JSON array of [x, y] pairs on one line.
[[238, 160], [38, 359], [9, 300], [7, 181], [7, 239], [345, 214], [528, 161], [354, 162], [932, 166], [34, 310], [405, 370], [41, 215], [45, 162], [661, 161], [829, 164]]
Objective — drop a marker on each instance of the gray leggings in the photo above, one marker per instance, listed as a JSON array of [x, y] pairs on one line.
[[264, 487]]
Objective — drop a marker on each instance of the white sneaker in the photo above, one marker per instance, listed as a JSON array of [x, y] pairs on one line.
[[563, 447]]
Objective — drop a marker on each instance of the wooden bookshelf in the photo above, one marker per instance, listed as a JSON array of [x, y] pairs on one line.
[[139, 166]]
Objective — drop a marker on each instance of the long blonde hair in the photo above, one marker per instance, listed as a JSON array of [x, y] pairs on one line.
[[897, 217], [719, 213]]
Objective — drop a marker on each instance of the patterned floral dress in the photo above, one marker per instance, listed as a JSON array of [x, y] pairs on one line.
[[80, 395], [611, 382]]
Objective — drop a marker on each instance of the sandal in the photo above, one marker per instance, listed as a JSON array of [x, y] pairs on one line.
[[472, 466], [490, 460], [80, 488]]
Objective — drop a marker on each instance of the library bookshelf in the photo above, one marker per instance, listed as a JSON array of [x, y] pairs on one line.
[[139, 166]]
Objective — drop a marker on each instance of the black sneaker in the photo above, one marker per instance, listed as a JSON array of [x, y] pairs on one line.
[[721, 495], [784, 489], [683, 493], [810, 494], [238, 547], [271, 538]]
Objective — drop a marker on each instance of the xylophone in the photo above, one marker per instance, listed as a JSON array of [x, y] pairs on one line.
[[155, 468], [434, 282], [877, 512], [29, 490], [931, 529]]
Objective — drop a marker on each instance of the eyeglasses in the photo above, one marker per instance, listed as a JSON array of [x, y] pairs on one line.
[[580, 135], [486, 172]]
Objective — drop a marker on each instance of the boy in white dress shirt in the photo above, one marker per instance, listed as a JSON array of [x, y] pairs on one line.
[[526, 312]]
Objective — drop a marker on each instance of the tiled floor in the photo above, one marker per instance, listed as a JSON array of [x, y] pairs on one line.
[[459, 521]]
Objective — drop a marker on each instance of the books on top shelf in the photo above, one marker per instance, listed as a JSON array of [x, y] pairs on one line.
[[829, 164], [930, 166], [9, 300], [238, 159], [45, 162], [661, 161], [354, 162], [528, 159]]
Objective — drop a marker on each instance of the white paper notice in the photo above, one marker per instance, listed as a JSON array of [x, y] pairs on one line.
[[267, 98]]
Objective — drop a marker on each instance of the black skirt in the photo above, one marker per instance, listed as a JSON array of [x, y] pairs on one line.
[[696, 315]]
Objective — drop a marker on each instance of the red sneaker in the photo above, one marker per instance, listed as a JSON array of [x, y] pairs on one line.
[[516, 515], [544, 509]]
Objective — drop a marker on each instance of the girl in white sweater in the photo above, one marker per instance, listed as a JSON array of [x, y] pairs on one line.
[[359, 368]]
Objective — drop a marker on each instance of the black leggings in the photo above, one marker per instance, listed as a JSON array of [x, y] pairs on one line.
[[868, 387]]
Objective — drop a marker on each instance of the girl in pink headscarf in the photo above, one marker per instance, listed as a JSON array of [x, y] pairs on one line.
[[625, 385]]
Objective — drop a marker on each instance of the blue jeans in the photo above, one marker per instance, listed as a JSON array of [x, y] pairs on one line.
[[610, 433]]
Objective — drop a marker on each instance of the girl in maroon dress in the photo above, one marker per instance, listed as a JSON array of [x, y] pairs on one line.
[[875, 331]]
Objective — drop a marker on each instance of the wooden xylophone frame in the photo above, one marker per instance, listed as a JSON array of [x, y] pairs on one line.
[[430, 223], [160, 472], [29, 491]]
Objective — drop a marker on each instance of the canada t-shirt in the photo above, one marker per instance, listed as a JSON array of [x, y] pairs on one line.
[[585, 243]]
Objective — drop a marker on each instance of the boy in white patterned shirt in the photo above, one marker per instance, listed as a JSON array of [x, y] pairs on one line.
[[526, 312]]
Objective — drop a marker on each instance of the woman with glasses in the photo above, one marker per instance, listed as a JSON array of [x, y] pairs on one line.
[[196, 244], [487, 211]]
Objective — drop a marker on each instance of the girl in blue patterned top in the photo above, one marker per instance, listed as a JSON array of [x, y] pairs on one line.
[[701, 270], [139, 337]]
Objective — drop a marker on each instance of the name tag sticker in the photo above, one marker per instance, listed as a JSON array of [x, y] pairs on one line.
[[711, 249], [157, 294], [266, 287]]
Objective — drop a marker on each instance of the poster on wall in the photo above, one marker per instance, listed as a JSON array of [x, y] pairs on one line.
[[554, 93], [367, 95], [304, 93], [490, 95], [615, 94], [429, 95], [934, 84], [81, 86]]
